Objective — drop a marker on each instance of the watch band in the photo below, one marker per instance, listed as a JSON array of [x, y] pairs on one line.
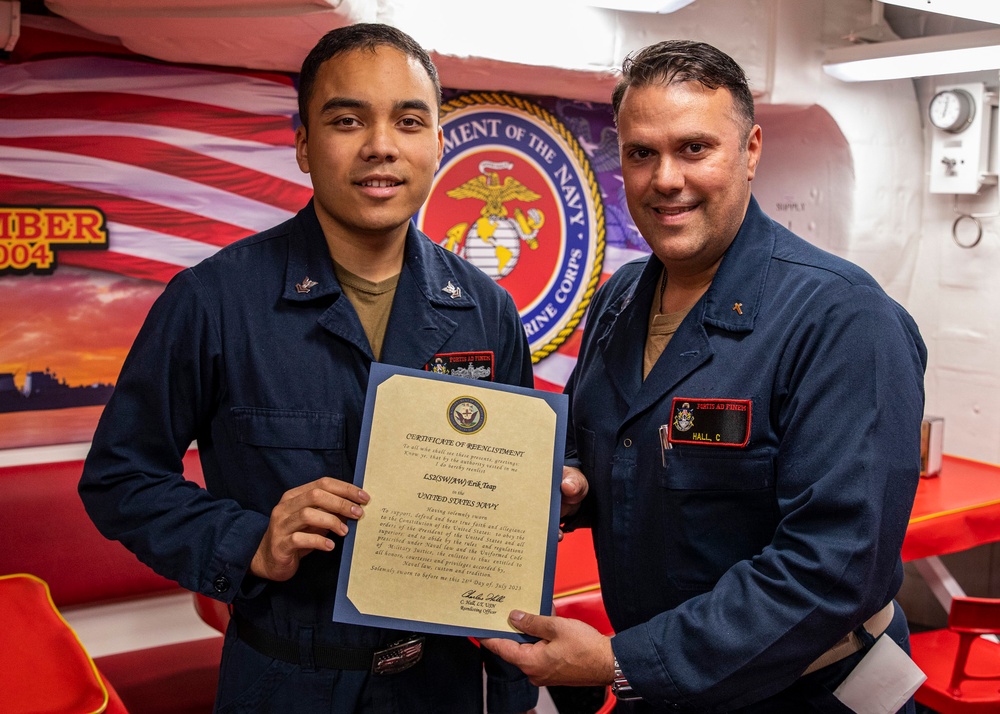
[[620, 686]]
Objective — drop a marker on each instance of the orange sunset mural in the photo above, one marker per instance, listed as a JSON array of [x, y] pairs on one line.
[[77, 324]]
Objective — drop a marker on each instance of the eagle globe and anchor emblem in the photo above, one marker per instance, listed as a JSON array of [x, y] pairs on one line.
[[493, 242], [516, 196]]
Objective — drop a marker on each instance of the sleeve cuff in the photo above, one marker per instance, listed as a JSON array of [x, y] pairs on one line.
[[639, 658], [230, 575]]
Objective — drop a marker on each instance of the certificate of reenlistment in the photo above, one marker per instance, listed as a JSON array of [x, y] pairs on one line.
[[463, 520]]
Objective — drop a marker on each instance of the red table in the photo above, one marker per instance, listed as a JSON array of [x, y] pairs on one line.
[[957, 510]]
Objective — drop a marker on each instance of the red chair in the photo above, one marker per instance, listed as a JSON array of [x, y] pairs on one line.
[[44, 668], [962, 667], [589, 607]]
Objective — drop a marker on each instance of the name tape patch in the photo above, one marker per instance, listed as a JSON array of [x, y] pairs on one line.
[[710, 422], [470, 365]]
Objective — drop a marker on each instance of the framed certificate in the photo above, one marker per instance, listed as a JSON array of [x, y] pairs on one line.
[[463, 520]]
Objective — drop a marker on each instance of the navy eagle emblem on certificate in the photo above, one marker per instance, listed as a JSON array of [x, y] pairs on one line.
[[466, 415]]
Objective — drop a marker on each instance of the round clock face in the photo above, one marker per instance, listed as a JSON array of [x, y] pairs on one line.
[[952, 110]]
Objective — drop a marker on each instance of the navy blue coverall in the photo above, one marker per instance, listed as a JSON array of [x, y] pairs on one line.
[[769, 523], [270, 381]]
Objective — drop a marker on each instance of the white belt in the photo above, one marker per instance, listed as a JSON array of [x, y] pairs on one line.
[[851, 643]]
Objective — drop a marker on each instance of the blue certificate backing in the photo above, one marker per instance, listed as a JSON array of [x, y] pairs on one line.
[[345, 611]]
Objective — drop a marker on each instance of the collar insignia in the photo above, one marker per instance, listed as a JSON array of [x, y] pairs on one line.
[[453, 291], [306, 285]]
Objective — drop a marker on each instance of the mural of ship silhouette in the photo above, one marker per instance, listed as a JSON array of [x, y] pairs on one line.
[[43, 390]]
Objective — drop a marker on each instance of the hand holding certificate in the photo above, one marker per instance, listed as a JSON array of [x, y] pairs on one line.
[[462, 524]]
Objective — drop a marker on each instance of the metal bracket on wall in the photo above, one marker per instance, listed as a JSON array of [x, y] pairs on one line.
[[976, 220], [993, 166]]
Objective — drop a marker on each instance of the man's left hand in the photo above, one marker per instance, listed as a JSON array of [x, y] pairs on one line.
[[569, 652]]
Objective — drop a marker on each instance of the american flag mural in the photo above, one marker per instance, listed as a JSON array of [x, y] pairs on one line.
[[184, 160], [180, 160]]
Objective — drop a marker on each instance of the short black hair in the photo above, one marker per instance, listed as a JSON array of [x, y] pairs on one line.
[[360, 36], [685, 61]]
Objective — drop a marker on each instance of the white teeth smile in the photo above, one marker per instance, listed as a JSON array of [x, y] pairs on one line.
[[671, 211], [379, 183]]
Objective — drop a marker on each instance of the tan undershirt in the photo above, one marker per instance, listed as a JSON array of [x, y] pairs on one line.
[[659, 331], [372, 302]]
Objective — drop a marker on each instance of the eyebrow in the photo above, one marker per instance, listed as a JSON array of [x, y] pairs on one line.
[[632, 145], [347, 103], [699, 137], [415, 104], [694, 137]]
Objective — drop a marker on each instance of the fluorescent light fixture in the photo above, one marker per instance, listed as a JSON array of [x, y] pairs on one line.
[[660, 6], [983, 10], [917, 57]]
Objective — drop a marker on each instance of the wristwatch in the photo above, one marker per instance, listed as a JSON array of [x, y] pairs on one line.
[[620, 686]]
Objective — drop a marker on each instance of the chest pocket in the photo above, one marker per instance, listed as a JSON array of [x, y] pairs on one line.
[[297, 446], [716, 510]]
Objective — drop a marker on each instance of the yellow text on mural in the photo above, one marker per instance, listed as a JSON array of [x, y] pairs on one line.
[[28, 234]]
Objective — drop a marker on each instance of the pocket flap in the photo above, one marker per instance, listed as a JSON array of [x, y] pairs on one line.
[[289, 428]]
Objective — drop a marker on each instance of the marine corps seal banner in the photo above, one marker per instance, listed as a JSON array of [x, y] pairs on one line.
[[517, 197], [463, 520]]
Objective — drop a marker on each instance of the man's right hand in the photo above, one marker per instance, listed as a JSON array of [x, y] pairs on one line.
[[301, 522]]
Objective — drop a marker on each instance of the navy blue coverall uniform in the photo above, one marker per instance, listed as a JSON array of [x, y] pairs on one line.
[[768, 521], [270, 380]]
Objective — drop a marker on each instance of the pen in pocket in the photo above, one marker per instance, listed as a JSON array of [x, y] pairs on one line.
[[664, 443]]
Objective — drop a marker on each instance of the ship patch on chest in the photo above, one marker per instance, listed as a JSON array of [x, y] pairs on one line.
[[471, 365], [710, 422]]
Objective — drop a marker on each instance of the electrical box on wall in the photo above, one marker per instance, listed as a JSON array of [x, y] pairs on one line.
[[963, 119]]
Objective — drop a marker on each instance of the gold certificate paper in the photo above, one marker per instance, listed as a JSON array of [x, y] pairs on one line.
[[463, 520]]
